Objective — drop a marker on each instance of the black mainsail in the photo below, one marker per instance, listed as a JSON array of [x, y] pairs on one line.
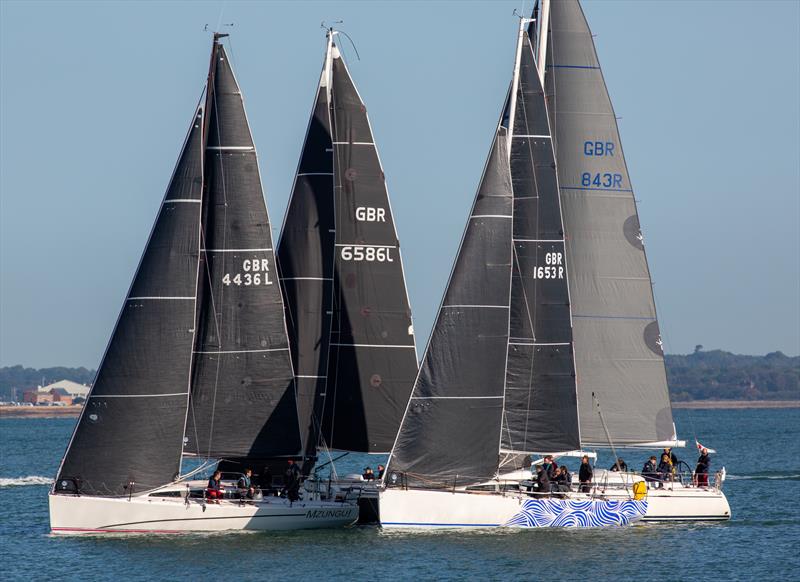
[[243, 403], [199, 355], [617, 342], [498, 376], [350, 320]]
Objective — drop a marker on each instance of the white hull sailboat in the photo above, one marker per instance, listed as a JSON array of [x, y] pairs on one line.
[[169, 510], [199, 365], [500, 358]]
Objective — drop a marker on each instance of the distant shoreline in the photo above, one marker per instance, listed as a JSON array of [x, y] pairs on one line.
[[737, 404], [40, 411], [74, 411]]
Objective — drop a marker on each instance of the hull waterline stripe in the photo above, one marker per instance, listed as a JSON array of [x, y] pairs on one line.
[[316, 174], [491, 216], [544, 136], [183, 200], [416, 524], [302, 376], [550, 240], [353, 143]]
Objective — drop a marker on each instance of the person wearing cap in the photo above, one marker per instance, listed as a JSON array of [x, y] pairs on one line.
[[381, 470], [368, 475], [702, 468], [673, 458]]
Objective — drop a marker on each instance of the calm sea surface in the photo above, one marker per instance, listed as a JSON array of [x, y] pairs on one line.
[[760, 448]]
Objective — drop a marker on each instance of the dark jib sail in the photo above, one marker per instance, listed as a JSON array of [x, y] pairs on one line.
[[450, 433], [131, 428], [618, 351], [350, 320], [540, 410], [243, 400]]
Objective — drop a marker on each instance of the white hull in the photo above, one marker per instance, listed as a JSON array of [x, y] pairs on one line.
[[71, 514], [672, 502], [420, 508]]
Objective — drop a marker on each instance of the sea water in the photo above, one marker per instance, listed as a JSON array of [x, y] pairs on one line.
[[759, 448]]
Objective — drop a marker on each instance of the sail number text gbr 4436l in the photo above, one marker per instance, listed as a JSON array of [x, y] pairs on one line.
[[199, 361]]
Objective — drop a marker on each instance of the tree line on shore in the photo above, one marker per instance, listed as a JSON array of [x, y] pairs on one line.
[[702, 375]]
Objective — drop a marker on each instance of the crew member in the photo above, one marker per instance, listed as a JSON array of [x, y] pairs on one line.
[[585, 475]]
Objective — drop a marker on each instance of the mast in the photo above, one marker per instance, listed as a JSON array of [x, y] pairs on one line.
[[618, 349]]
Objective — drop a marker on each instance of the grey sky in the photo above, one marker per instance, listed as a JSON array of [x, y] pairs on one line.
[[96, 98]]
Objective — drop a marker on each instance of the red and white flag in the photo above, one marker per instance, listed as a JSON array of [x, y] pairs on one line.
[[701, 447]]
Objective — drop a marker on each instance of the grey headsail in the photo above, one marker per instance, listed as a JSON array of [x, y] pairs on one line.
[[305, 260], [130, 433], [243, 401], [450, 433], [617, 342], [350, 320], [540, 410]]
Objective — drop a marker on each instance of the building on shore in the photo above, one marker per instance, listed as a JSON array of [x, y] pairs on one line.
[[62, 393]]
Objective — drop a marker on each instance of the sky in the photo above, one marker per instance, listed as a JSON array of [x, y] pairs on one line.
[[96, 97]]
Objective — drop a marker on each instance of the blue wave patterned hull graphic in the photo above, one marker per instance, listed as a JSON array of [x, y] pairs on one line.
[[569, 513]]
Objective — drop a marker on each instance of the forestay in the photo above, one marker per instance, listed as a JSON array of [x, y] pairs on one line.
[[618, 348]]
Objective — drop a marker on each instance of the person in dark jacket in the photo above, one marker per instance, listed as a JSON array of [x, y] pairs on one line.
[[650, 470], [673, 458], [368, 475], [665, 468], [291, 479], [561, 483], [585, 475], [215, 491], [620, 465], [702, 468], [381, 470], [542, 480], [245, 485]]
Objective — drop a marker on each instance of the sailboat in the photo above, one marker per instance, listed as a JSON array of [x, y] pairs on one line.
[[619, 357], [199, 361], [497, 381], [348, 311]]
